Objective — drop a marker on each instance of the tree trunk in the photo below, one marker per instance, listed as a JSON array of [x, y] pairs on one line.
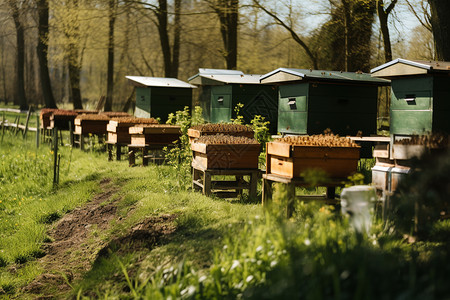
[[20, 80], [42, 50], [383, 15], [176, 40], [110, 68], [73, 62], [440, 23], [228, 16], [161, 14]]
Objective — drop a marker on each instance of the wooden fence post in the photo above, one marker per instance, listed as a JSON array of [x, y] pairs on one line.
[[55, 156], [27, 121], [38, 131]]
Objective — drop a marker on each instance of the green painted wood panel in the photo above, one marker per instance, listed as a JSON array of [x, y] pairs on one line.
[[292, 122], [345, 109], [169, 100], [143, 101], [221, 104], [441, 104], [258, 100], [410, 122], [293, 118]]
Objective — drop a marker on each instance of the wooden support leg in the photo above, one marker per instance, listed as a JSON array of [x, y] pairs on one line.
[[118, 152], [290, 199], [267, 192], [109, 148], [81, 141], [131, 157], [145, 156], [253, 185], [331, 192], [206, 183]]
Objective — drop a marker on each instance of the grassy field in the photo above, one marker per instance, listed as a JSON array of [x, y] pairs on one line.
[[116, 232]]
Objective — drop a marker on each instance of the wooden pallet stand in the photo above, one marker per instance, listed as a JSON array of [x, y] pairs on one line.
[[118, 147], [291, 184], [202, 179]]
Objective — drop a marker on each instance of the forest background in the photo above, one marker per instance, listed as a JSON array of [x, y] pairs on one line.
[[72, 52]]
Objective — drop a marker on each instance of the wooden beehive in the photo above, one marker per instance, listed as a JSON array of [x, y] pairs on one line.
[[94, 124], [154, 135], [227, 155], [118, 128], [62, 119], [44, 116], [291, 160]]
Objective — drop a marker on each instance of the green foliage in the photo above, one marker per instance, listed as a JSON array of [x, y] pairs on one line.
[[237, 111], [179, 154]]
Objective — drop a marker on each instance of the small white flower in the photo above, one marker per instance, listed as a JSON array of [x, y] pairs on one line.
[[259, 248], [189, 291], [225, 247], [374, 242], [201, 279], [235, 264], [249, 278], [307, 242], [273, 263]]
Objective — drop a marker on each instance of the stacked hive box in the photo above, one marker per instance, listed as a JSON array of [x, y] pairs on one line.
[[225, 152], [62, 119], [225, 155], [154, 135], [118, 128], [91, 123], [291, 156]]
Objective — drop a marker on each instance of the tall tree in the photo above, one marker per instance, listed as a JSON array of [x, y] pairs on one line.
[[343, 42], [112, 12], [72, 34], [227, 11], [440, 23], [297, 38], [171, 54], [384, 10], [17, 7], [42, 52]]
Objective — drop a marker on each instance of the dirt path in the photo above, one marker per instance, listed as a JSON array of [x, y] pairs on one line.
[[77, 242]]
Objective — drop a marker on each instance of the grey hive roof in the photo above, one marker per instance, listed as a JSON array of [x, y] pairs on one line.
[[220, 77], [289, 74], [404, 67], [143, 81]]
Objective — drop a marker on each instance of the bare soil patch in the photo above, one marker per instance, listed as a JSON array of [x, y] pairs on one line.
[[76, 244]]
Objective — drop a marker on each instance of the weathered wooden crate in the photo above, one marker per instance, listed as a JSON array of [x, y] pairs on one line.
[[226, 156], [118, 132], [291, 160], [90, 126], [195, 133], [62, 121], [154, 135]]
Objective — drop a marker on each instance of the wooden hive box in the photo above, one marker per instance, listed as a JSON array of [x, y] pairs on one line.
[[61, 120], [154, 135], [118, 132], [90, 126], [291, 160], [226, 156]]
